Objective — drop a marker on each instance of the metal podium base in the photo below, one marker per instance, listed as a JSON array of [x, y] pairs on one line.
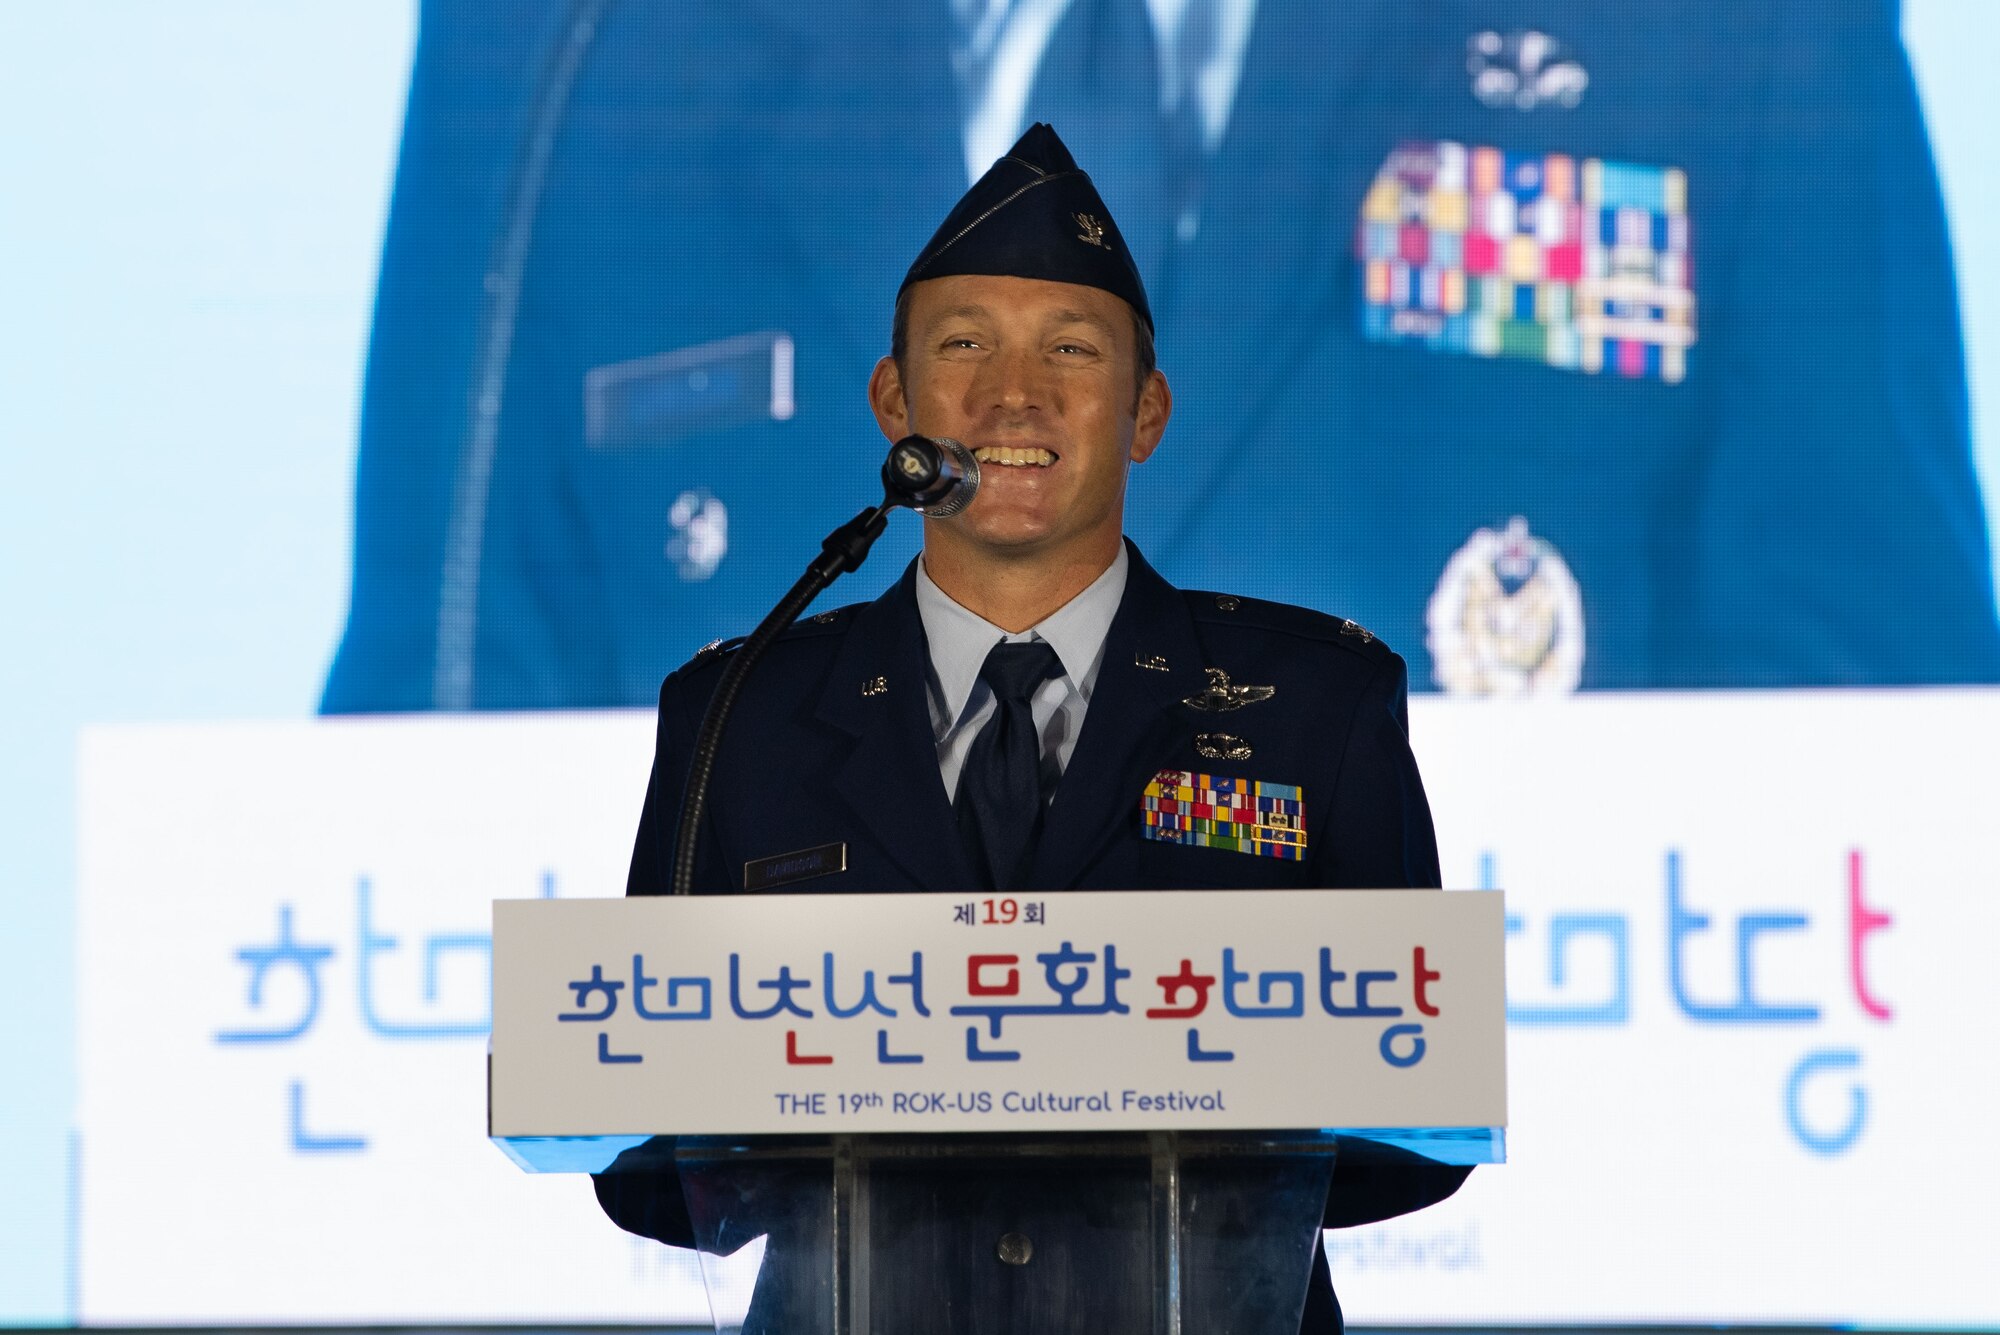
[[1161, 1233]]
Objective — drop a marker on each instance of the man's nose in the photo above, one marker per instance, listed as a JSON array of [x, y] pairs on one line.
[[1015, 380]]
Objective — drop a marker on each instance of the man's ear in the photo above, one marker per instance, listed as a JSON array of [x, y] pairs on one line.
[[886, 397], [1156, 405]]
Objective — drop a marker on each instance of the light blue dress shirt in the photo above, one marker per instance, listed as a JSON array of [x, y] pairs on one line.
[[1001, 44], [960, 703]]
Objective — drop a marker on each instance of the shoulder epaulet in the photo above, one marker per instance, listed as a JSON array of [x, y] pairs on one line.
[[716, 648], [1226, 609], [820, 623], [830, 617]]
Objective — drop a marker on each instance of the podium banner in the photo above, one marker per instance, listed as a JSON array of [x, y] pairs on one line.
[[1746, 937], [1098, 1011]]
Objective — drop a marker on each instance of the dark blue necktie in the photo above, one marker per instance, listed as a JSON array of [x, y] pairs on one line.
[[1000, 793], [1183, 134]]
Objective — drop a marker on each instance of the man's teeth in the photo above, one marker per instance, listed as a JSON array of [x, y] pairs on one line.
[[1014, 456]]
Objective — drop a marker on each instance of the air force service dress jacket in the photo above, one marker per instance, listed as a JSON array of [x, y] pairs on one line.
[[831, 742], [589, 367]]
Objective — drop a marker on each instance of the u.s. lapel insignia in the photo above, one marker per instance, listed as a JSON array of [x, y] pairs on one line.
[[1218, 811], [700, 534], [1150, 662], [1093, 230], [875, 686], [1219, 697], [1221, 746], [1507, 617]]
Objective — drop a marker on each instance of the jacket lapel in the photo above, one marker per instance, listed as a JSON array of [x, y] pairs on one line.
[[852, 198], [890, 781], [1133, 724]]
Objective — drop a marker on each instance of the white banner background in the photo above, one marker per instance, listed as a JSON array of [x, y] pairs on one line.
[[1667, 1164], [557, 1071]]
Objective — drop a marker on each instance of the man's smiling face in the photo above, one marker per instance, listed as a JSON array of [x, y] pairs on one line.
[[1038, 379]]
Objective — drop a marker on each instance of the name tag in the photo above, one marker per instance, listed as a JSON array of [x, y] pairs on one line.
[[785, 868], [664, 399]]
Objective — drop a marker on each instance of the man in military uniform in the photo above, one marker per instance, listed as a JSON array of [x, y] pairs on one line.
[[1564, 345], [1007, 715]]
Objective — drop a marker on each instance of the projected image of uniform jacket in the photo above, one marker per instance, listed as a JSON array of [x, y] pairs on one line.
[[1562, 345]]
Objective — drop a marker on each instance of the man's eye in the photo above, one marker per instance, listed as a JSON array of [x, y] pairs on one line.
[[1079, 349]]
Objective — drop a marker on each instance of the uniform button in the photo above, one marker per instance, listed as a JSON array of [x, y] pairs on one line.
[[1015, 1249], [1227, 603]]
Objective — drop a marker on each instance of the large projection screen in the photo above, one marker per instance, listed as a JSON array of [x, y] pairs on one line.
[[396, 392]]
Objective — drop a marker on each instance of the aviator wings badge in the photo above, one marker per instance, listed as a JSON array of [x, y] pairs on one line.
[[1220, 697]]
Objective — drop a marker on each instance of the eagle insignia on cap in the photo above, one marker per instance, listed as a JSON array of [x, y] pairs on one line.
[[1016, 221]]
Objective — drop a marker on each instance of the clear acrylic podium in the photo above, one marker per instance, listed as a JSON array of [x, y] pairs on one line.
[[906, 1122], [1153, 1233]]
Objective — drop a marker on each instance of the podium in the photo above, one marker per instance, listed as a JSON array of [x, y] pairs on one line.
[[1101, 1112]]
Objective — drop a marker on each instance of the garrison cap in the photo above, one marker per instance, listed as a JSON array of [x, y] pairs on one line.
[[1035, 214]]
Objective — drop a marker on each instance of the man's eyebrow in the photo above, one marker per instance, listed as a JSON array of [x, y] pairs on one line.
[[1083, 317], [969, 311], [975, 311]]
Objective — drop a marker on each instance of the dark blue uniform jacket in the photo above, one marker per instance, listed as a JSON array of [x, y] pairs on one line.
[[811, 758]]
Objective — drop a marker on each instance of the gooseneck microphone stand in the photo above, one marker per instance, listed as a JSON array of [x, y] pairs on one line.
[[933, 477]]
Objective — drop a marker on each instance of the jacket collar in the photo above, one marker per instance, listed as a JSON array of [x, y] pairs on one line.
[[1152, 661], [890, 781]]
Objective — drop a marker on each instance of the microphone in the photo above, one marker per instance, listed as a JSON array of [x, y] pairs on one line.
[[936, 477], [932, 477]]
